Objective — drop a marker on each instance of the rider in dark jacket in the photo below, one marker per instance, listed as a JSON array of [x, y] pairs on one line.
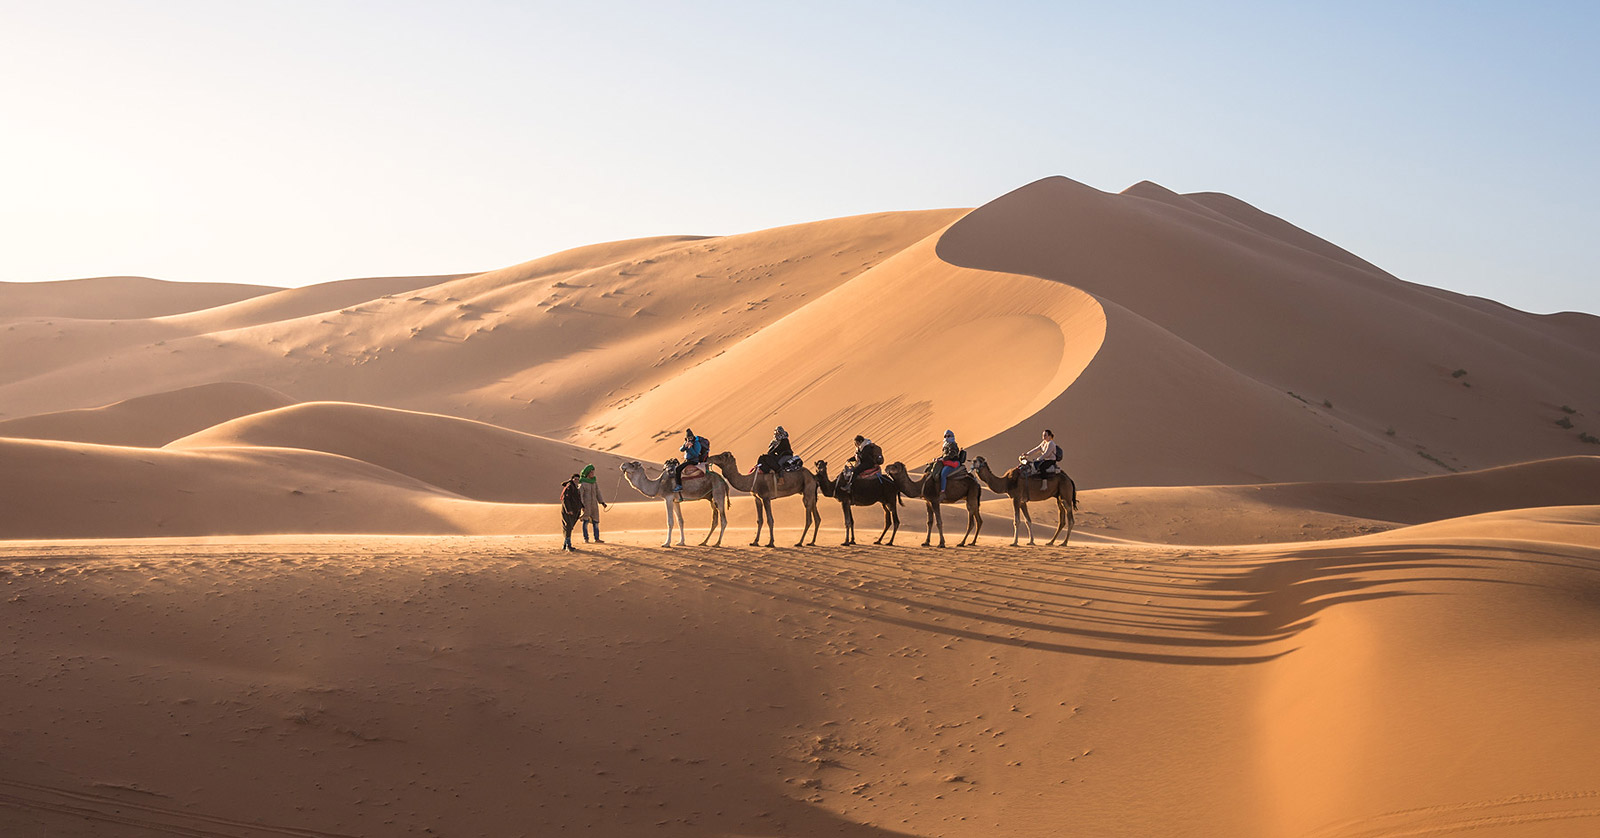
[[772, 461]]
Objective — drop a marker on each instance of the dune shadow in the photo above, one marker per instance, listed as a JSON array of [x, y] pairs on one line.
[[1179, 606]]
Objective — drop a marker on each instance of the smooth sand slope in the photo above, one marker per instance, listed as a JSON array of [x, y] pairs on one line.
[[541, 347], [1419, 682], [117, 297], [471, 459], [149, 421]]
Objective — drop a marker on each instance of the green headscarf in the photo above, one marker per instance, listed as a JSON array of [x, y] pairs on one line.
[[587, 476]]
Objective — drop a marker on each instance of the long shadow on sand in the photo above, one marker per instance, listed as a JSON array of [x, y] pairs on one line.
[[1179, 606]]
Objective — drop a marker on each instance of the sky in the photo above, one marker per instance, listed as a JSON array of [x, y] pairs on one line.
[[287, 143]]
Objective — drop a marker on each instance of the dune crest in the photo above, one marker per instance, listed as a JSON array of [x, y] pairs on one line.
[[150, 421], [117, 297]]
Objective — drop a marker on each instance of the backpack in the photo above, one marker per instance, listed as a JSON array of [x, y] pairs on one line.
[[702, 446], [1058, 453]]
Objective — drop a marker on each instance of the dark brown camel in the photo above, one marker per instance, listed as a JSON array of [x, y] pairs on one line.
[[763, 488], [1057, 486], [961, 489], [868, 491]]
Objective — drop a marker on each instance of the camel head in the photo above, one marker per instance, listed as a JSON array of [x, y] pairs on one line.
[[822, 465], [978, 463], [896, 470]]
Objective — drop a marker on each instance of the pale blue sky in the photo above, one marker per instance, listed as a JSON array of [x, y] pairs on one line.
[[286, 143]]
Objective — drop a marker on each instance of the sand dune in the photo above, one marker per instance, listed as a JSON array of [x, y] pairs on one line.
[[1277, 512], [543, 347], [1169, 340], [290, 303], [880, 355], [117, 297], [150, 421], [478, 686], [471, 459], [70, 489], [1277, 311]]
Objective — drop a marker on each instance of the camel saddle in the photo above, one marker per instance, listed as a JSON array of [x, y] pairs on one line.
[[690, 472], [1030, 468], [785, 465]]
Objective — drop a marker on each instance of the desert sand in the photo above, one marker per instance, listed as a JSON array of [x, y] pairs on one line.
[[285, 561]]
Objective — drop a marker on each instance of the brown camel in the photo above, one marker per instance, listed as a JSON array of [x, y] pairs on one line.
[[1057, 486], [961, 489], [767, 487], [864, 491]]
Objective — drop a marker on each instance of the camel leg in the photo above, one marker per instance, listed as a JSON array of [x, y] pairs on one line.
[[1066, 515], [772, 526], [894, 512], [974, 521], [1027, 516], [756, 542], [849, 526], [1016, 522], [668, 542], [811, 509], [722, 521]]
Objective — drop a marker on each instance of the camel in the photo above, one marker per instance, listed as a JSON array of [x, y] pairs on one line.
[[863, 492], [962, 489], [767, 487], [711, 487], [1023, 491]]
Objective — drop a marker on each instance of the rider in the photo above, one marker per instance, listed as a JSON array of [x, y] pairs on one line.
[[772, 461], [1049, 453], [868, 456], [949, 458], [695, 451]]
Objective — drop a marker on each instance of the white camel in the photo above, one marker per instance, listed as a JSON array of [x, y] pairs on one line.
[[712, 487]]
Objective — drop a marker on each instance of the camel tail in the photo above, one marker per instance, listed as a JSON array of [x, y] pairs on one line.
[[1074, 493]]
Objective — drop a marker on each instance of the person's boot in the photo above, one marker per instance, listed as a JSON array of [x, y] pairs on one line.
[[597, 533]]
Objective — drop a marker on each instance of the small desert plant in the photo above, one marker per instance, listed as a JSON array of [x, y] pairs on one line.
[[1389, 431], [1567, 409], [1327, 404], [1585, 437], [1458, 373], [1430, 458], [1564, 423]]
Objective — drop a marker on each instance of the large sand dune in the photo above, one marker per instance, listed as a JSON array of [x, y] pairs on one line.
[[117, 297], [471, 459], [149, 421]]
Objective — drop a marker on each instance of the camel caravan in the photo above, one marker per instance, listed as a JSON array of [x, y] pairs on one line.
[[865, 481]]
